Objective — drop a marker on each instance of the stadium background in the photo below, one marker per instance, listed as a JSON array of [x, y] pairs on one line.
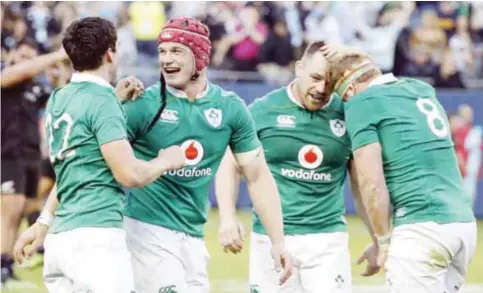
[[439, 42]]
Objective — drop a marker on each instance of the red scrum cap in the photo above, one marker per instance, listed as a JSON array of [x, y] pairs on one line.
[[191, 33]]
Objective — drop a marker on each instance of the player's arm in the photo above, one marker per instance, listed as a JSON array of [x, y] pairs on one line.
[[109, 126], [227, 181], [132, 172], [356, 193], [33, 238], [17, 73], [375, 196], [262, 188]]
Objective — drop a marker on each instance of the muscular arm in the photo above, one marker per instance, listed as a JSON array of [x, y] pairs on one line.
[[127, 169], [356, 193], [18, 73], [227, 181], [264, 194], [375, 197]]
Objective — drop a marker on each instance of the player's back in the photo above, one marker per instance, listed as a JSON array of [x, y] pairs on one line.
[[80, 118], [420, 164]]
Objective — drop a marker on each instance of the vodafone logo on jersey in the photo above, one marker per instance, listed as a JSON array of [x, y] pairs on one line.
[[310, 156], [193, 151]]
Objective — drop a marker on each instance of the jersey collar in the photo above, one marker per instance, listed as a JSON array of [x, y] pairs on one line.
[[181, 94], [291, 96], [87, 77], [383, 79]]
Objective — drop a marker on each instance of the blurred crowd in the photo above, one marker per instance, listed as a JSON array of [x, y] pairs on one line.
[[442, 41], [467, 138]]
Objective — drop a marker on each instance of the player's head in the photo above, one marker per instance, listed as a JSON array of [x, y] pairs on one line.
[[184, 51], [311, 77], [91, 43], [26, 49], [351, 73]]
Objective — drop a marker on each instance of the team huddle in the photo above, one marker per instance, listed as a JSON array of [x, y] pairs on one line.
[[293, 147]]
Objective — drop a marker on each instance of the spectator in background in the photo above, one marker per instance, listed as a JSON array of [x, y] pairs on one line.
[[420, 63], [468, 145], [127, 51], [43, 26], [245, 42], [277, 55], [380, 41], [321, 25], [147, 18], [448, 75], [428, 35], [294, 26]]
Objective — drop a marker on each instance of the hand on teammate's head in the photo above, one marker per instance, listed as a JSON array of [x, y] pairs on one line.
[[129, 88]]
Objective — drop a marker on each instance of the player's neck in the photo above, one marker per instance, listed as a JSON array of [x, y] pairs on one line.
[[101, 72], [294, 88], [194, 88]]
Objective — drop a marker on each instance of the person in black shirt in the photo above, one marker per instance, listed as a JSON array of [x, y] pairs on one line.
[[20, 154]]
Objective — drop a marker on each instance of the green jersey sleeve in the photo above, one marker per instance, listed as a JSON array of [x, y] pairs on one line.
[[361, 120], [137, 113], [108, 122], [244, 136]]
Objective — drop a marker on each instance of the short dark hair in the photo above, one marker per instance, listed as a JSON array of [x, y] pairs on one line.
[[313, 48], [87, 40]]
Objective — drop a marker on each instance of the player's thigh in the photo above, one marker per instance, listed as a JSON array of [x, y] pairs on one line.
[[195, 258], [32, 170], [54, 279], [463, 239], [418, 259], [155, 258], [262, 275], [13, 188], [325, 263], [99, 261]]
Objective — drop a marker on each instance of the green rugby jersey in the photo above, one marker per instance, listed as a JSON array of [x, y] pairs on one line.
[[204, 129], [419, 160], [307, 153], [81, 117]]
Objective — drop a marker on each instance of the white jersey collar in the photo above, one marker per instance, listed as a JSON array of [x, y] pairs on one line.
[[88, 77], [383, 79], [180, 94]]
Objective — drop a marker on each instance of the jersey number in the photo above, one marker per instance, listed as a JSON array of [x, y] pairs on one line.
[[434, 118], [62, 127]]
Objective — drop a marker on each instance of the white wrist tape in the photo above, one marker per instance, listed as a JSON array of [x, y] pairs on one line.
[[383, 241], [46, 218]]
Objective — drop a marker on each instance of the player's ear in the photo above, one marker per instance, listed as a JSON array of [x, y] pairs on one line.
[[299, 68], [109, 55], [351, 91]]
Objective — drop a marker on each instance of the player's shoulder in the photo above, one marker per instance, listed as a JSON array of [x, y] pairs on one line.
[[273, 99], [226, 98], [336, 105]]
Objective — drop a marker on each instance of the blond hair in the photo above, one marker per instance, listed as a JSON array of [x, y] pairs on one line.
[[349, 66]]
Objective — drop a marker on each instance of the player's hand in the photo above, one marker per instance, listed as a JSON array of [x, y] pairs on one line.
[[129, 88], [283, 261], [29, 242], [231, 235], [172, 157], [374, 257]]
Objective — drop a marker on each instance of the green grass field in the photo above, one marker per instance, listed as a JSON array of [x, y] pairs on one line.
[[229, 273]]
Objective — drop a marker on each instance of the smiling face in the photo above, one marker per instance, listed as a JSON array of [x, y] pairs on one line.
[[177, 64], [311, 81]]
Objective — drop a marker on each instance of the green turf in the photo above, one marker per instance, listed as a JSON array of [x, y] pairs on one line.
[[229, 273]]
